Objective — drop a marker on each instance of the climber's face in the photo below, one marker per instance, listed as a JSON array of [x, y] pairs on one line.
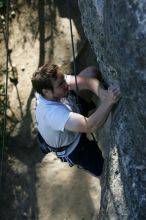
[[60, 87]]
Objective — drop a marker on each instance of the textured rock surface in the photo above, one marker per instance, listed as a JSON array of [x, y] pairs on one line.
[[116, 30]]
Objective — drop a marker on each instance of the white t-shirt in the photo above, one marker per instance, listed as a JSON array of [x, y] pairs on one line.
[[51, 117]]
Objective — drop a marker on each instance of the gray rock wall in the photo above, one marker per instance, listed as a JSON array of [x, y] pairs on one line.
[[116, 30]]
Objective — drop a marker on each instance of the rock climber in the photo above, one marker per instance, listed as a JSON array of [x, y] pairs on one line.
[[62, 124]]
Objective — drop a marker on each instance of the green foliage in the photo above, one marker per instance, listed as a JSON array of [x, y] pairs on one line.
[[11, 119], [1, 3]]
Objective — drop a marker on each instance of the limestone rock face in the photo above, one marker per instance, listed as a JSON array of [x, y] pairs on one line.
[[116, 30]]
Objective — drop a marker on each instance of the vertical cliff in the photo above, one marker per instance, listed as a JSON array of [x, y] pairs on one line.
[[117, 32]]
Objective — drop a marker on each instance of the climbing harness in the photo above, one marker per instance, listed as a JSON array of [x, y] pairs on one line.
[[6, 90], [45, 148]]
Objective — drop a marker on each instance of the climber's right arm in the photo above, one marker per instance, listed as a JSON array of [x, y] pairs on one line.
[[79, 123]]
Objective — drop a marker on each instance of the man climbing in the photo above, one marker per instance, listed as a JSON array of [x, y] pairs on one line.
[[61, 124]]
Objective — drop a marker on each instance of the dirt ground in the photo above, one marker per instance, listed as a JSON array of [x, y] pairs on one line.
[[37, 186]]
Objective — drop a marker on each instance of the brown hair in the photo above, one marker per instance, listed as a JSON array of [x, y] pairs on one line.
[[44, 77]]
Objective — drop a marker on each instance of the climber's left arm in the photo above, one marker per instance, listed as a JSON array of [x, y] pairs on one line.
[[85, 83]]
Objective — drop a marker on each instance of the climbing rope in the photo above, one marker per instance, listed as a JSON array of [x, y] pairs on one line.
[[6, 89], [73, 54], [73, 50]]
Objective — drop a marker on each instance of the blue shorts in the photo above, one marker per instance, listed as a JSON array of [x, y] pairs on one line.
[[87, 156]]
